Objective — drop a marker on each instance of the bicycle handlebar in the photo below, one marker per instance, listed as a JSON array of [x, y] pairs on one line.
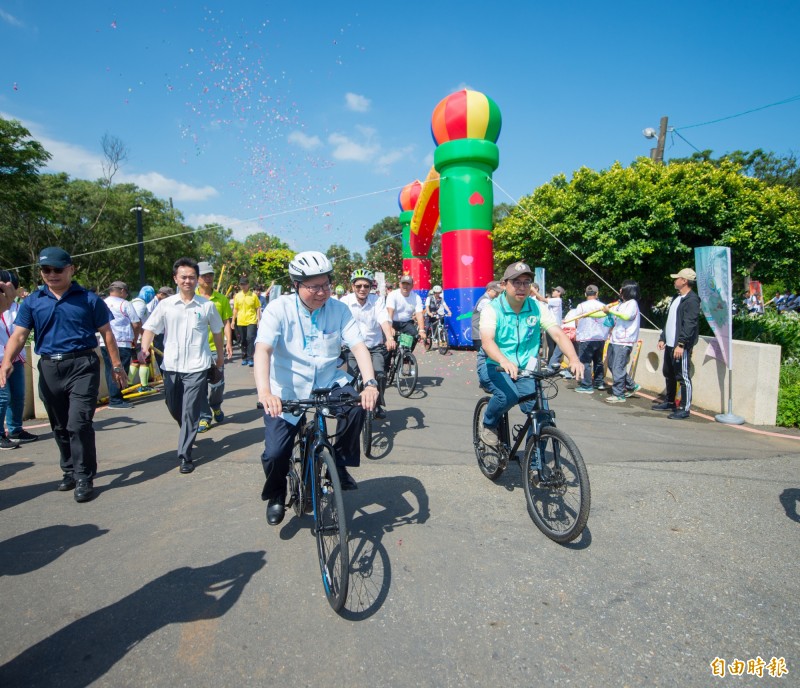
[[298, 407], [535, 374]]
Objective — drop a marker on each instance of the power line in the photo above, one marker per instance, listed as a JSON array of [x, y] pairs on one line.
[[739, 114]]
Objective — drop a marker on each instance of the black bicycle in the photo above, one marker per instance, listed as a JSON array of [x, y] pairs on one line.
[[369, 416], [403, 366], [437, 334], [554, 475], [314, 487]]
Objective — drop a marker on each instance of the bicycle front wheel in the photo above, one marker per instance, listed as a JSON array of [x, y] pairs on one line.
[[443, 340], [407, 374], [331, 531], [558, 493], [366, 433], [489, 458]]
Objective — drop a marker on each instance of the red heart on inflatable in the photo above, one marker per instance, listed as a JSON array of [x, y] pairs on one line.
[[476, 199]]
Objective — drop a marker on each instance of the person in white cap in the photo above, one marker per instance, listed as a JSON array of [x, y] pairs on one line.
[[677, 339]]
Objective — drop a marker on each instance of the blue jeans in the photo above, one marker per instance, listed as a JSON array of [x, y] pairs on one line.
[[125, 355], [12, 399], [505, 393], [591, 355]]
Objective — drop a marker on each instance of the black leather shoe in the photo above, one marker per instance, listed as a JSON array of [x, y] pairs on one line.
[[380, 413], [679, 414], [345, 479], [186, 466], [275, 511], [67, 483], [663, 406], [84, 491]]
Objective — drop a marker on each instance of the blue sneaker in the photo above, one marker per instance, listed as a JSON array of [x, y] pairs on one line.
[[244, 361], [203, 426], [219, 416], [250, 363], [631, 392], [584, 390]]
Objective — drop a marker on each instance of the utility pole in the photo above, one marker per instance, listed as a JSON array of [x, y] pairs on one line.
[[140, 241], [657, 153]]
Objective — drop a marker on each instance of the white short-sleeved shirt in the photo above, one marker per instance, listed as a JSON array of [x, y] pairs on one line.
[[124, 317], [556, 306], [306, 346], [141, 309], [185, 327], [590, 329], [404, 307], [626, 332], [369, 317], [672, 321], [6, 328]]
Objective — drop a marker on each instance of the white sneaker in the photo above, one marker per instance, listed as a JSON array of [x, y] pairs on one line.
[[489, 436]]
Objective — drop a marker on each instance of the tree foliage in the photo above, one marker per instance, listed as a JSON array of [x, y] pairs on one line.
[[763, 165], [644, 221], [385, 252]]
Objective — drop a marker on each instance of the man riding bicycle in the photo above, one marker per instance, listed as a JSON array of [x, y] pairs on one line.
[[435, 307], [373, 320], [298, 344], [405, 310], [511, 327]]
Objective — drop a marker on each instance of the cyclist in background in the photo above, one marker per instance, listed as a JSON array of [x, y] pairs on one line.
[[298, 344], [511, 327], [375, 326], [435, 307], [405, 310]]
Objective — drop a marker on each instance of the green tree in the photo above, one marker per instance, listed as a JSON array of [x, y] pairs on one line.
[[271, 266], [644, 222], [763, 165], [385, 252], [20, 159]]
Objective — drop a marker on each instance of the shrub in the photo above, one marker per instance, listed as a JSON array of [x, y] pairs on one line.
[[789, 396]]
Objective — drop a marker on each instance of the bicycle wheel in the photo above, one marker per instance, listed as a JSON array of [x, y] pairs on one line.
[[489, 458], [366, 433], [407, 374], [331, 531], [443, 340], [558, 494]]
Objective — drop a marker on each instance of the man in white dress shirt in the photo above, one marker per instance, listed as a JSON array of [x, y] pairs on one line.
[[185, 320], [298, 345]]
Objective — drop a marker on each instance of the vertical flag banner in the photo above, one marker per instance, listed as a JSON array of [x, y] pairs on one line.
[[538, 277], [715, 288]]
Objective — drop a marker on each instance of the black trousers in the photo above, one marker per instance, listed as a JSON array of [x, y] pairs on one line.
[[407, 327], [69, 389], [676, 372], [247, 340], [279, 437]]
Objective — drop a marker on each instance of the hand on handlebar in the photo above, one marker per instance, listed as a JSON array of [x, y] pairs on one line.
[[272, 404], [510, 368], [369, 398]]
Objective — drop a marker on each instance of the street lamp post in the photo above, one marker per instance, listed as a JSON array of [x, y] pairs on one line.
[[657, 153], [140, 240]]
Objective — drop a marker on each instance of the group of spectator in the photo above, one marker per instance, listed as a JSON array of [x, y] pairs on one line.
[[788, 302]]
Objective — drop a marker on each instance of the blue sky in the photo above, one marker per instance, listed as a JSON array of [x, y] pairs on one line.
[[304, 120]]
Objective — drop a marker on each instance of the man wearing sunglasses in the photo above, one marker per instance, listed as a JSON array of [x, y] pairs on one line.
[[64, 318], [511, 327]]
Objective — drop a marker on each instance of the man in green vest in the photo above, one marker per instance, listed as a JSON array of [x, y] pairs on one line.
[[205, 287], [510, 328]]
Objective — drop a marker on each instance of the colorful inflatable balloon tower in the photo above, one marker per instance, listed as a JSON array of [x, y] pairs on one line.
[[417, 264], [458, 190]]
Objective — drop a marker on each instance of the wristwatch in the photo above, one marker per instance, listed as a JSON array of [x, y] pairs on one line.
[[371, 383], [119, 369]]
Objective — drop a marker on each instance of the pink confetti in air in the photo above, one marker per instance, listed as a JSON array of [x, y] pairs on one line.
[[16, 88], [467, 260], [113, 25], [476, 199]]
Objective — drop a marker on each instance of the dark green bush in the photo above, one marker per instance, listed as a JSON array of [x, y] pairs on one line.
[[771, 328]]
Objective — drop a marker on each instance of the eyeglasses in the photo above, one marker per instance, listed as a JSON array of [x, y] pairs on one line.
[[316, 288], [521, 284], [361, 286], [46, 270]]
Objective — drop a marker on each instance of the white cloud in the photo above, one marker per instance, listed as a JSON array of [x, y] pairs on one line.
[[304, 140], [345, 148], [10, 19], [428, 160], [241, 228], [357, 103], [80, 163]]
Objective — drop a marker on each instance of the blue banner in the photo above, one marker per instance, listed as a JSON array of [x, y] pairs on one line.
[[715, 288]]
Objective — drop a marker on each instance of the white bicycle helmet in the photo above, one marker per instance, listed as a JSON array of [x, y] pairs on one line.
[[309, 264], [437, 289]]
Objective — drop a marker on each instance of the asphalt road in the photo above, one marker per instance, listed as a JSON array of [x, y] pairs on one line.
[[690, 554]]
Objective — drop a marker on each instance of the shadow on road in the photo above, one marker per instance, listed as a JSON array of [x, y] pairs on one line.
[[790, 499], [37, 548], [84, 651], [378, 507], [9, 469]]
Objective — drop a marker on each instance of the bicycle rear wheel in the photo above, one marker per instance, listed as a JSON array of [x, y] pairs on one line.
[[366, 433], [407, 374], [558, 494], [331, 531], [443, 340], [489, 458]]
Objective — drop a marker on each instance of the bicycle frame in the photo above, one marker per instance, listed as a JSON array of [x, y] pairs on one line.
[[539, 417]]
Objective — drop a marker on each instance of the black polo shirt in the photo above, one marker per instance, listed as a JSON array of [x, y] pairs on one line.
[[64, 325]]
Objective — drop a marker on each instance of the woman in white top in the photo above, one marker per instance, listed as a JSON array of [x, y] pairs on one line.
[[624, 335]]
